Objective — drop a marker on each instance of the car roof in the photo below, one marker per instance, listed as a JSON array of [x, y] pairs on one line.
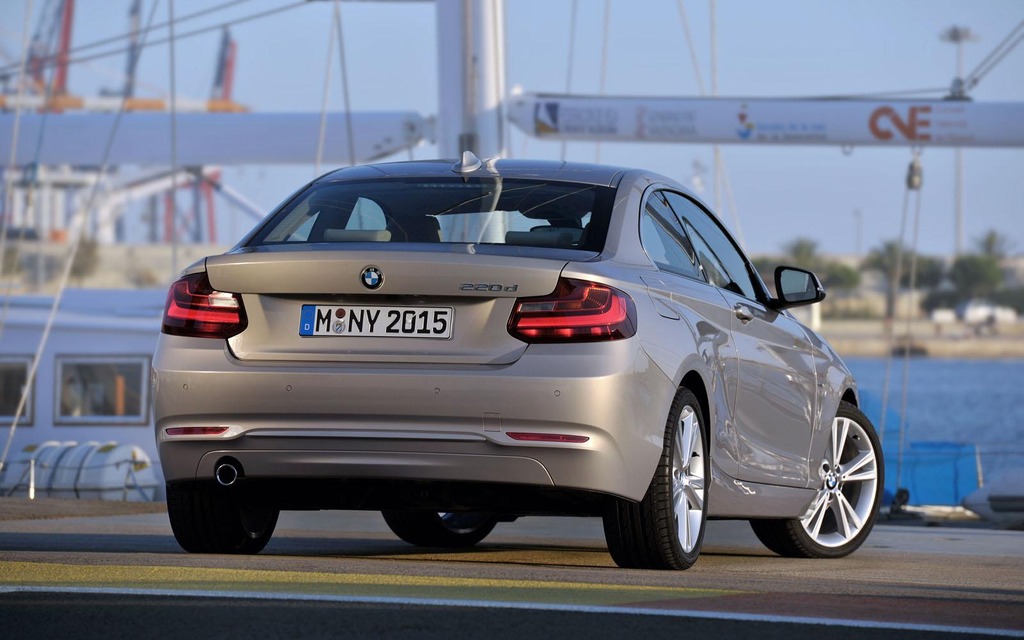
[[580, 172]]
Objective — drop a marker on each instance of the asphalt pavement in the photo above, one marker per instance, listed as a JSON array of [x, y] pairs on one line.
[[343, 574]]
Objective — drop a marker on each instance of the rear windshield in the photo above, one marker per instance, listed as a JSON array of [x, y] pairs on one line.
[[531, 213]]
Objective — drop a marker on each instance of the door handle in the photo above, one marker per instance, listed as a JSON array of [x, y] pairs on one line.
[[743, 313]]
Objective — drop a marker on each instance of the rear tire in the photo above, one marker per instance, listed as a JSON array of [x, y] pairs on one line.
[[844, 509], [431, 529], [665, 530], [206, 519]]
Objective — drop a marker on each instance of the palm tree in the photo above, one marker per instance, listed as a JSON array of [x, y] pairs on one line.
[[885, 259], [993, 244], [804, 253]]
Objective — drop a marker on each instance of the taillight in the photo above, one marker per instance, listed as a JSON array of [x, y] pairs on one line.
[[195, 309], [577, 311]]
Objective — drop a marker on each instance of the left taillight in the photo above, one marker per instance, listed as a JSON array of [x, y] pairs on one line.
[[576, 311], [196, 309]]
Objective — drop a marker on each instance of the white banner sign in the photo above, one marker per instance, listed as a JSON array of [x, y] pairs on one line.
[[919, 123]]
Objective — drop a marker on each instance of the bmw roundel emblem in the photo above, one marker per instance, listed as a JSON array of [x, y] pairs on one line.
[[372, 278]]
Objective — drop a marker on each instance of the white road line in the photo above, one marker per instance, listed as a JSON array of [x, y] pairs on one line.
[[528, 606]]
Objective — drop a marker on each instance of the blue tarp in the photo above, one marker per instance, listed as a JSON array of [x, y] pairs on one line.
[[934, 472]]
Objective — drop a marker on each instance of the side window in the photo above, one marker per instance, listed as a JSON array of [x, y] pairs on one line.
[[664, 241], [721, 247], [713, 269]]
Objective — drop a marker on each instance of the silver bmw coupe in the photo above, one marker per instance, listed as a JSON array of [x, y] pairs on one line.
[[461, 344]]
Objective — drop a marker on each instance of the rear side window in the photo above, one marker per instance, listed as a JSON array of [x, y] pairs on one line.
[[664, 240], [519, 212]]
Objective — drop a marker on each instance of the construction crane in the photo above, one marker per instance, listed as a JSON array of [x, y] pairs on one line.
[[202, 185]]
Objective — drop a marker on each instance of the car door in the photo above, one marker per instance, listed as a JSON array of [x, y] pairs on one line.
[[682, 294], [774, 375]]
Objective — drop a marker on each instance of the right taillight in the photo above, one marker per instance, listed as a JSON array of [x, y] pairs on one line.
[[577, 311], [196, 309]]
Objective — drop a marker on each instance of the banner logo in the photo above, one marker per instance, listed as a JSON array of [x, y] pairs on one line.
[[884, 119]]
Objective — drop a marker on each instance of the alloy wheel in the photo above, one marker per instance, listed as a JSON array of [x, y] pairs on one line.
[[849, 481], [688, 478]]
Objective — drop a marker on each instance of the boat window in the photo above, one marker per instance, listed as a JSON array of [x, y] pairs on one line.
[[94, 390], [13, 376]]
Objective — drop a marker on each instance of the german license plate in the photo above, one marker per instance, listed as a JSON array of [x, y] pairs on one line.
[[378, 322]]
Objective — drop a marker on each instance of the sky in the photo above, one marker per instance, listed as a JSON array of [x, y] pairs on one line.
[[783, 48]]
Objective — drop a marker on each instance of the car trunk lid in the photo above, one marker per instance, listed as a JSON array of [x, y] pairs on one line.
[[442, 306]]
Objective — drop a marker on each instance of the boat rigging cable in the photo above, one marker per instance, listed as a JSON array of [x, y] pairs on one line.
[[344, 84], [8, 203], [568, 67], [323, 105], [335, 28], [915, 178], [189, 34], [995, 57], [721, 175], [29, 173], [604, 66], [48, 59], [77, 227], [172, 198]]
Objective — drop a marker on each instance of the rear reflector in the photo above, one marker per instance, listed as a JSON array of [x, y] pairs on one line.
[[195, 431], [577, 311], [547, 437], [195, 309]]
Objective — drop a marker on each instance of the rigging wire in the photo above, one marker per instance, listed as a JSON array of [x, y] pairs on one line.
[[8, 175], [569, 65], [173, 193], [30, 188], [52, 59], [872, 94], [720, 171], [731, 199], [913, 178], [77, 227], [344, 84], [995, 56], [894, 284], [189, 34], [604, 64], [323, 104], [689, 43]]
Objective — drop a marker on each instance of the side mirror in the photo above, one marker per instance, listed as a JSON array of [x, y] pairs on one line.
[[796, 287]]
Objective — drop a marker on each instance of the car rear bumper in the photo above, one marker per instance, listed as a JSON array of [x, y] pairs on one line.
[[423, 422]]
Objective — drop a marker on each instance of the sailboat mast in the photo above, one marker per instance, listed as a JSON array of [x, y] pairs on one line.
[[471, 77]]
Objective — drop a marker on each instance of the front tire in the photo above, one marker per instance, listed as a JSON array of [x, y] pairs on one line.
[[665, 530], [207, 519], [844, 510], [431, 529]]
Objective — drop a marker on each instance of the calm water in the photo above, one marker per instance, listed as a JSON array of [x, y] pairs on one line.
[[971, 401]]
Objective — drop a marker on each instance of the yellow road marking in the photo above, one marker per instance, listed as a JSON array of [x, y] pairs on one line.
[[130, 576]]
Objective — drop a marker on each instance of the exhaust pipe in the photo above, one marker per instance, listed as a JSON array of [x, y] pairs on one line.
[[227, 474]]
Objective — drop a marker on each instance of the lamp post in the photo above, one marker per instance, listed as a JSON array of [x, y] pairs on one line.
[[958, 36]]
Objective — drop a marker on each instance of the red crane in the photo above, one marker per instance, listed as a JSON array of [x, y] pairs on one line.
[[203, 187]]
